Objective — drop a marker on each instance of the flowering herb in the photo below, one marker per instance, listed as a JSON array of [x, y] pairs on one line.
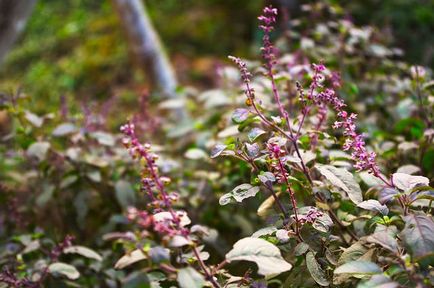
[[285, 161], [161, 202], [329, 215]]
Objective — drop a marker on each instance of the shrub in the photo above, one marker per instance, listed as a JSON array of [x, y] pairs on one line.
[[337, 206], [321, 227]]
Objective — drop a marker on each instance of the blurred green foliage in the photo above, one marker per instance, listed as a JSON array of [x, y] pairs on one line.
[[76, 47], [411, 23], [68, 46], [196, 27]]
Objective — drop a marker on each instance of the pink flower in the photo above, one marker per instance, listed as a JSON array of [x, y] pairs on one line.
[[245, 76], [354, 142], [154, 185], [268, 19]]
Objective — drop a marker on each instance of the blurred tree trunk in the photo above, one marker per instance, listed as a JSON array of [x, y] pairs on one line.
[[146, 46], [13, 17]]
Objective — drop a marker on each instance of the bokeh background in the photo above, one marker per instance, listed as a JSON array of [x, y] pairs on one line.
[[77, 48]]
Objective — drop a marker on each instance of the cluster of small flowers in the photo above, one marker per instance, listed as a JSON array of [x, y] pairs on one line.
[[169, 228], [245, 76], [153, 185], [275, 154], [322, 107], [11, 280], [335, 79], [354, 142], [164, 227], [268, 19], [364, 160], [311, 216], [317, 82], [329, 96], [58, 249], [142, 218]]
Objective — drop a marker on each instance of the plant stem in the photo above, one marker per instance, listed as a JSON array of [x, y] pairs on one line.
[[202, 265], [219, 266], [424, 113], [291, 195], [277, 200], [336, 219], [268, 186]]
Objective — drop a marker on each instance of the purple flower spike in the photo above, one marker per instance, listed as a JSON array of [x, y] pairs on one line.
[[354, 142]]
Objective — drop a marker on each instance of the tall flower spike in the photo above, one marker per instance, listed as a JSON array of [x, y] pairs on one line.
[[163, 225], [245, 76], [354, 142], [268, 19], [153, 184]]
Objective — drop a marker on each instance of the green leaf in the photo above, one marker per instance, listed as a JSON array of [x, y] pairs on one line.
[[263, 253], [301, 248], [94, 175], [239, 193], [217, 150], [240, 115], [342, 179], [130, 258], [190, 278], [64, 129], [406, 182], [103, 138], [379, 281], [387, 194], [125, 193], [374, 205], [225, 199], [179, 241], [228, 132], [38, 150], [34, 119], [255, 133], [195, 154], [65, 269], [410, 126], [83, 251], [264, 231], [428, 159], [418, 235], [370, 179], [352, 253], [358, 268], [385, 237], [315, 270], [408, 169], [68, 180], [267, 177], [214, 98], [307, 156], [252, 149], [46, 195], [159, 254]]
